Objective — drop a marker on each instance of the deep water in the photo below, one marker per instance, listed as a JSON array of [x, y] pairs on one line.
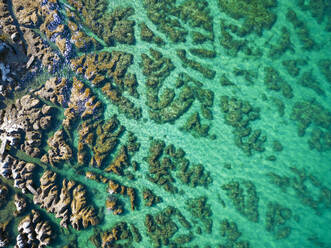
[[286, 186]]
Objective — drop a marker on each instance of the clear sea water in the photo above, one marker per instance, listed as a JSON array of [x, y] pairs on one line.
[[309, 228]]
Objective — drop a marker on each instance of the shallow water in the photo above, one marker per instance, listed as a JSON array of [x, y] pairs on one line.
[[226, 162]]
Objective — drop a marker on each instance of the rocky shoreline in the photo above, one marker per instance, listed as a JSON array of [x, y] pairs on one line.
[[104, 72]]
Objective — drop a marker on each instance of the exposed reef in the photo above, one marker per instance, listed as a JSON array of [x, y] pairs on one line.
[[111, 27], [116, 188], [100, 137], [34, 232], [109, 136], [119, 235], [109, 71], [146, 34], [22, 124], [80, 40], [68, 202]]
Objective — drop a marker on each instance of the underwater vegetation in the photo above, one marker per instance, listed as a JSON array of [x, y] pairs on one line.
[[173, 123]]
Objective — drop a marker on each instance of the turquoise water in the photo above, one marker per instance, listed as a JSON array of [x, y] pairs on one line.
[[294, 212]]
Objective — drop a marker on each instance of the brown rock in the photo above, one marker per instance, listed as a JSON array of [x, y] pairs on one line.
[[59, 150], [3, 195], [120, 162], [54, 90], [20, 203], [81, 213], [69, 202], [34, 232], [45, 122], [27, 12]]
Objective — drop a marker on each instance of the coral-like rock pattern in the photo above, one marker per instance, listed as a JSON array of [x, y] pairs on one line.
[[59, 150], [116, 27], [100, 137], [34, 232], [20, 171], [121, 161], [239, 114], [55, 90], [69, 202], [161, 228], [99, 99], [28, 116], [311, 113], [20, 204], [150, 198], [109, 70], [122, 233], [3, 194], [255, 13], [244, 199], [116, 188], [164, 159], [4, 238]]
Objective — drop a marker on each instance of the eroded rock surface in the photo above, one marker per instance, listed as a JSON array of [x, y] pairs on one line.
[[34, 232], [69, 202], [21, 124]]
